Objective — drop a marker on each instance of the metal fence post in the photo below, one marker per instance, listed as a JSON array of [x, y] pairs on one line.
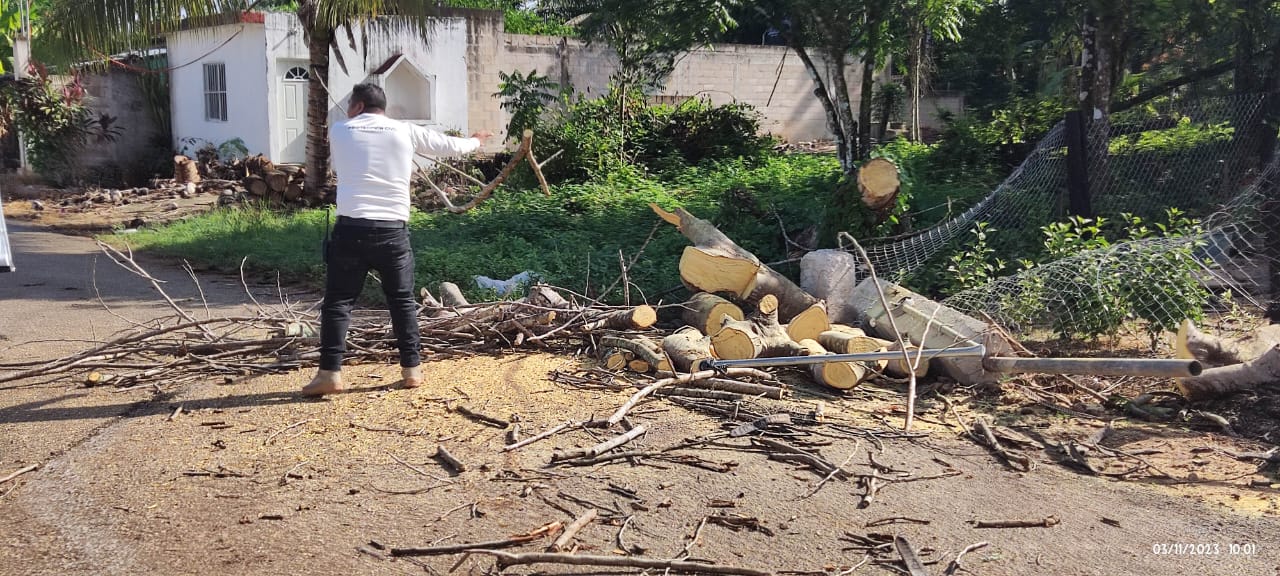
[[1078, 201]]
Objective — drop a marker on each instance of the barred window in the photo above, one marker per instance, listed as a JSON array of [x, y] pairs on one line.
[[215, 92]]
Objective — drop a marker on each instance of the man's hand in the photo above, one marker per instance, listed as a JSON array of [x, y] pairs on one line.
[[483, 136]]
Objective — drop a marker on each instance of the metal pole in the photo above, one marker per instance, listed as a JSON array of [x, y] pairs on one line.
[[976, 350], [1158, 368]]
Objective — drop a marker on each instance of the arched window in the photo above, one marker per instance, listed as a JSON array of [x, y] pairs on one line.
[[297, 74]]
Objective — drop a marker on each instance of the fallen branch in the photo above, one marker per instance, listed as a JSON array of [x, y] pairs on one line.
[[602, 447], [1047, 522], [547, 434], [285, 429], [507, 559], [562, 543], [457, 465], [682, 379], [30, 468], [481, 418]]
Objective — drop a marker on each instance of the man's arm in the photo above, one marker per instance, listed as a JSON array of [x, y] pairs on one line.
[[429, 142]]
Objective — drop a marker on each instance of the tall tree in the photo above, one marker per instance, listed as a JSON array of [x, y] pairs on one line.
[[926, 20], [91, 29]]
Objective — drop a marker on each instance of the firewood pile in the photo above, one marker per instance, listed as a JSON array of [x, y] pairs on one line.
[[248, 179]]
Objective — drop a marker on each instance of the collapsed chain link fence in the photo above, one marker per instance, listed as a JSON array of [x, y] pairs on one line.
[[1201, 157]]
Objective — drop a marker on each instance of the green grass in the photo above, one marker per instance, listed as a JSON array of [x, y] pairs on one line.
[[568, 239]]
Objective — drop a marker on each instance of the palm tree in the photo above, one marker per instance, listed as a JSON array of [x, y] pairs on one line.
[[82, 29]]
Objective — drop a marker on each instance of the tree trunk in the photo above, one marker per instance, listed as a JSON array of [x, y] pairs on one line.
[[844, 107], [869, 59], [1213, 382], [917, 74], [687, 348], [843, 140], [317, 99], [1096, 87], [716, 264], [838, 375]]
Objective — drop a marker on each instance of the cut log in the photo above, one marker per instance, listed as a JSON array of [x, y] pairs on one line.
[[547, 297], [256, 185], [293, 192], [759, 337], [185, 170], [258, 166], [615, 359], [946, 327], [277, 181], [716, 264], [451, 295], [706, 311], [642, 348], [899, 368], [1223, 380], [713, 270], [768, 304], [639, 318], [809, 324], [879, 183], [845, 340], [1213, 351], [829, 275], [838, 375], [687, 348], [639, 366]]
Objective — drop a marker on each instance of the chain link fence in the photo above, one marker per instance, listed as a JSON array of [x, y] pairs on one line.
[[1178, 189]]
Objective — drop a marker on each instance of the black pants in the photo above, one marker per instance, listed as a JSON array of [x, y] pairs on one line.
[[356, 247]]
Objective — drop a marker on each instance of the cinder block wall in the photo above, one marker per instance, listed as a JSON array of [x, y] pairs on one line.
[[770, 78]]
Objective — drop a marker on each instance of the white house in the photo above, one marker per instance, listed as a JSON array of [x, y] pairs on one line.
[[245, 76]]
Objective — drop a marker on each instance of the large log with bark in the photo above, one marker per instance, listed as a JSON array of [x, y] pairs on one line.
[[706, 312], [1264, 369], [761, 336], [687, 348], [831, 275], [1213, 351], [838, 375], [640, 348], [716, 264], [809, 324]]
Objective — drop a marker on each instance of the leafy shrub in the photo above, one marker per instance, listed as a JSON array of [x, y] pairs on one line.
[[976, 265], [699, 130], [1153, 276], [55, 123], [524, 97], [620, 131], [1183, 136]]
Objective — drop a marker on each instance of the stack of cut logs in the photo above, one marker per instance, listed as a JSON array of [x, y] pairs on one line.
[[283, 183], [254, 177], [761, 315]]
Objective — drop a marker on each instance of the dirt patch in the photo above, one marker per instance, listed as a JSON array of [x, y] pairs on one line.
[[82, 218], [252, 478]]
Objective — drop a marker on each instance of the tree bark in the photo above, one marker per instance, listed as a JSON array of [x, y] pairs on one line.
[[705, 311], [875, 13], [1214, 382], [716, 264], [318, 40], [844, 108], [843, 140]]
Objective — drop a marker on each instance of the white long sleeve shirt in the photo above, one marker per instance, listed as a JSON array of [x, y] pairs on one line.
[[373, 157]]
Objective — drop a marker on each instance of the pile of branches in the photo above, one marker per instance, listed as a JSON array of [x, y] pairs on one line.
[[191, 345]]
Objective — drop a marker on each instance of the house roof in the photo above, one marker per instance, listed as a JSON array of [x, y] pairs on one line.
[[222, 19], [388, 65]]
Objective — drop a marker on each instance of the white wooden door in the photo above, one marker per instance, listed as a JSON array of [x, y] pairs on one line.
[[293, 113]]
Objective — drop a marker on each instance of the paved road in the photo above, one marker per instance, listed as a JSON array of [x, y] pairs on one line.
[[49, 308]]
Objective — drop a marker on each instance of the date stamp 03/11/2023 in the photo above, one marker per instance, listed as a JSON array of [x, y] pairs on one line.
[[1204, 549]]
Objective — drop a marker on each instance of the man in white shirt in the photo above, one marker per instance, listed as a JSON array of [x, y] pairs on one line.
[[373, 158]]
